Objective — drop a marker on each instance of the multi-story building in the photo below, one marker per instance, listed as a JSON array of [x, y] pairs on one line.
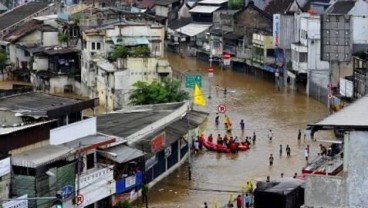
[[306, 58], [111, 80], [30, 131], [348, 187]]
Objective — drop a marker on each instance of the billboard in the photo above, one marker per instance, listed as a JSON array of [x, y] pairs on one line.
[[276, 30]]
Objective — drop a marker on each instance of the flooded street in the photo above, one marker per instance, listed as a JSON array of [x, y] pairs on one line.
[[263, 107]]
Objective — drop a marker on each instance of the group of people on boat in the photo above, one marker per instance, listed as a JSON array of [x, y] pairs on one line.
[[225, 143]]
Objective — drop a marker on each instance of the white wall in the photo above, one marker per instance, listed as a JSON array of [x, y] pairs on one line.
[[360, 30], [73, 131], [50, 39], [98, 187], [161, 10], [33, 37], [40, 63], [314, 56], [58, 83]]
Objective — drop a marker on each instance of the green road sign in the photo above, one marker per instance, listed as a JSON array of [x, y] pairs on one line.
[[192, 79]]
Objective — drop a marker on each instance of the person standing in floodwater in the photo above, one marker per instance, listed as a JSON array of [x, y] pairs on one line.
[[242, 125], [280, 150], [270, 135], [254, 138], [299, 135], [271, 160], [288, 150], [217, 119]]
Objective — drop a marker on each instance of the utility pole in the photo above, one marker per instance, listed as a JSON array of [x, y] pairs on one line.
[[189, 145], [210, 78]]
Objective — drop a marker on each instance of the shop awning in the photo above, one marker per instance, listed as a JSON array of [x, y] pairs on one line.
[[121, 153], [193, 29], [130, 41]]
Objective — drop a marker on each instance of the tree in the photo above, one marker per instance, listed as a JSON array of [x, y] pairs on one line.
[[123, 204], [145, 190], [157, 92], [142, 51], [62, 38], [235, 4], [120, 51]]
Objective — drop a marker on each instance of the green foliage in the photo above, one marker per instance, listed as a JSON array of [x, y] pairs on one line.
[[289, 65], [154, 93], [62, 38], [2, 58], [235, 4], [120, 51], [145, 190], [360, 54], [76, 18], [123, 204], [142, 51]]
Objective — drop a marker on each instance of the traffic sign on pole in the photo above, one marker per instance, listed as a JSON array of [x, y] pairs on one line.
[[221, 108], [210, 72], [191, 80], [79, 199], [227, 59], [329, 96]]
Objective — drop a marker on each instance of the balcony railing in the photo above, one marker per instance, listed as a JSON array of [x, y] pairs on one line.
[[128, 182]]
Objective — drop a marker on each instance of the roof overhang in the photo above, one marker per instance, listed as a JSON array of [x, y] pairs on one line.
[[193, 29], [204, 9], [121, 153], [352, 117], [41, 156]]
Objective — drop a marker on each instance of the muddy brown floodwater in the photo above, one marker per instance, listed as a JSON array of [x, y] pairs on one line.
[[263, 107]]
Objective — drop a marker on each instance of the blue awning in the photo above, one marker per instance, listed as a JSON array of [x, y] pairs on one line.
[[130, 41], [269, 68]]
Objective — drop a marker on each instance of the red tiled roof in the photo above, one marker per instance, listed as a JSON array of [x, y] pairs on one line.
[[277, 6], [26, 29], [146, 4]]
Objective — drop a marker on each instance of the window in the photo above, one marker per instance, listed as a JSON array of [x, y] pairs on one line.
[[26, 54], [270, 52], [90, 161], [95, 46], [303, 57]]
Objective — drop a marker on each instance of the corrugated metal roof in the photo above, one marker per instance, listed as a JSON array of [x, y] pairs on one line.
[[41, 156], [8, 130], [174, 131], [193, 29], [204, 9], [123, 153], [20, 13], [89, 141], [213, 2], [35, 103], [341, 7], [123, 124], [353, 116], [105, 65]]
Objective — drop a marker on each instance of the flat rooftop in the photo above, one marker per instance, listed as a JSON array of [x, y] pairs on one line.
[[38, 104]]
